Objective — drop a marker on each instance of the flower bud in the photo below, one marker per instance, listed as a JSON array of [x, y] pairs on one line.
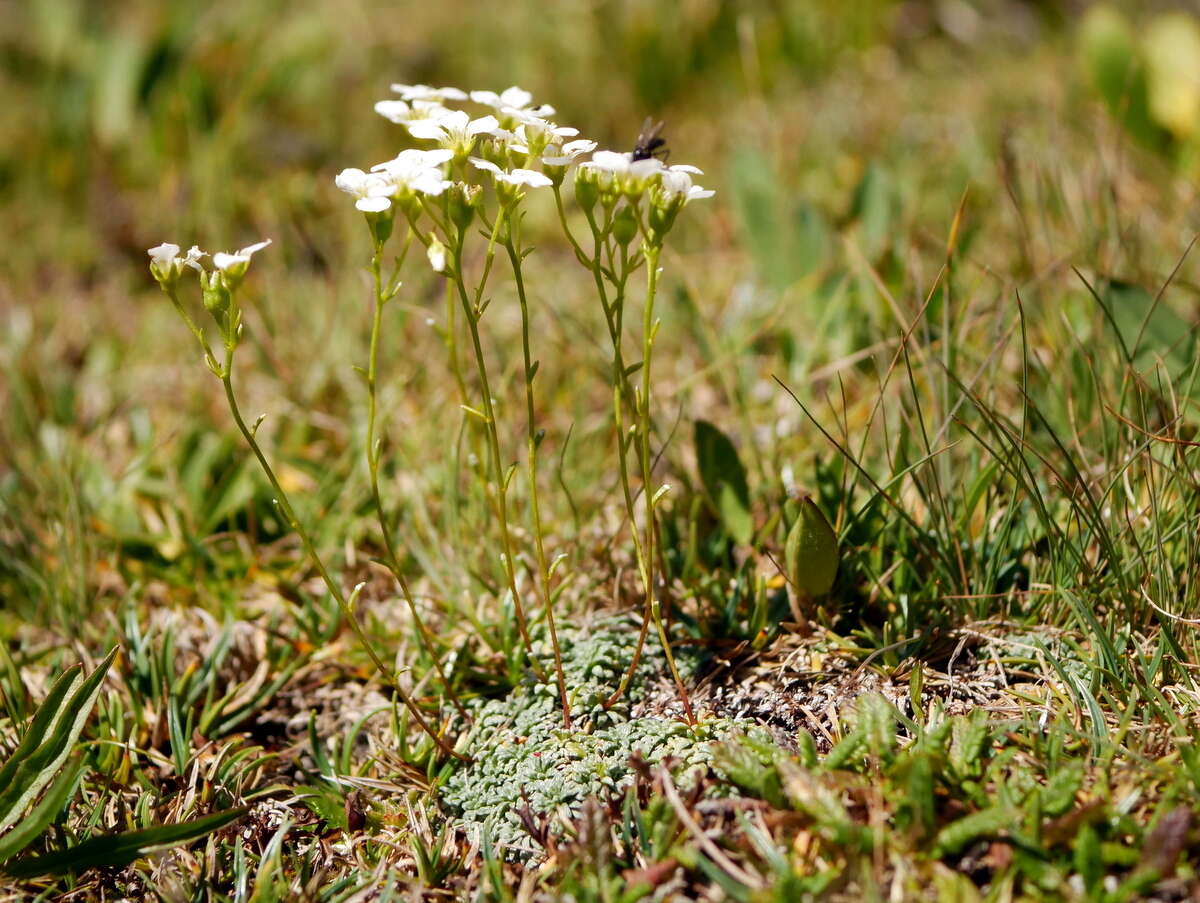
[[437, 255], [215, 294], [461, 204], [811, 552], [625, 225], [662, 218], [381, 225], [587, 187]]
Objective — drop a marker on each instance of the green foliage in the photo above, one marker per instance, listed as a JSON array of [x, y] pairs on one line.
[[1148, 76], [811, 551], [921, 229], [43, 751], [40, 762], [724, 480]]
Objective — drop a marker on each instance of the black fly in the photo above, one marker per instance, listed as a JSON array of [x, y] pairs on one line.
[[650, 143]]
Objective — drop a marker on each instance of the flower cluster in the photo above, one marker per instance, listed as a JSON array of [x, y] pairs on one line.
[[229, 267], [502, 149], [514, 144]]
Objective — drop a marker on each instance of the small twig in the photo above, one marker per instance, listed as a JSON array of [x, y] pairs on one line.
[[715, 853]]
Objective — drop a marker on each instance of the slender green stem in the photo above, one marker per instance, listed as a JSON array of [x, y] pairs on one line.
[[562, 218], [614, 312], [381, 297], [210, 359], [649, 331], [285, 506], [533, 441], [473, 312]]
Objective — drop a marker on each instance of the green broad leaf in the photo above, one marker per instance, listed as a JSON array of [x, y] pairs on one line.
[[121, 849], [33, 824], [49, 740], [811, 553], [724, 480]]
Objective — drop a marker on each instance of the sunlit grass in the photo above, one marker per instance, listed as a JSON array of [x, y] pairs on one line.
[[939, 291]]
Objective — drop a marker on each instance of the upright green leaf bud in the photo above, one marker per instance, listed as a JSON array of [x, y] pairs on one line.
[[811, 552]]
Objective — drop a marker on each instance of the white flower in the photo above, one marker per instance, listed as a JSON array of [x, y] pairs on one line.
[[529, 177], [624, 165], [535, 134], [437, 255], [426, 93], [165, 262], [554, 155], [231, 263], [164, 255], [373, 191], [454, 130], [415, 171], [613, 171], [402, 112], [677, 183], [514, 99]]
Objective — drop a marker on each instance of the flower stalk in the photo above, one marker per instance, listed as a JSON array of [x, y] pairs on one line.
[[533, 442], [381, 296], [220, 292]]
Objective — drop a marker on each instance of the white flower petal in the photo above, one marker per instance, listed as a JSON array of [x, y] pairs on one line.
[[164, 254], [373, 204], [426, 93], [253, 249], [611, 161], [515, 97], [427, 129], [530, 177], [482, 125], [395, 110], [193, 257], [485, 165], [642, 169]]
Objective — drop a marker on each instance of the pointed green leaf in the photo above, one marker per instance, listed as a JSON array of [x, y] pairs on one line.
[[55, 736], [121, 849], [43, 813], [724, 480]]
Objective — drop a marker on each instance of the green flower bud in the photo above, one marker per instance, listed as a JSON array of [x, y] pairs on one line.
[[587, 187], [625, 225], [662, 218], [215, 294], [381, 225], [462, 199]]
